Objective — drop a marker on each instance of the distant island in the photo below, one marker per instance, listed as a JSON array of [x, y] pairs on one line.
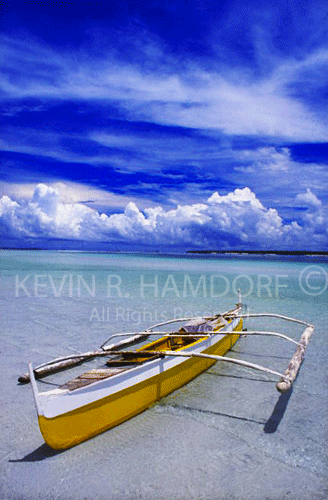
[[262, 252]]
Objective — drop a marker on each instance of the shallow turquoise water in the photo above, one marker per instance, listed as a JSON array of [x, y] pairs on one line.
[[226, 435]]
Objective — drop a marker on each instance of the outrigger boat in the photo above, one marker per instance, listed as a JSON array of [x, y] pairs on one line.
[[131, 381]]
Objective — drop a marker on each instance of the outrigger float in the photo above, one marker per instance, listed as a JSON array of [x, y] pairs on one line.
[[130, 381]]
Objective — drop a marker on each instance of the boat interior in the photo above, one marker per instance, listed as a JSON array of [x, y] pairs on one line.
[[129, 359], [189, 334]]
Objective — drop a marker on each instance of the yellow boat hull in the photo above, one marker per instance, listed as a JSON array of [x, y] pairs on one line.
[[74, 427]]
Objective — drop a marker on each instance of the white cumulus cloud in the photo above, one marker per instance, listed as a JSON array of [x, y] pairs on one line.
[[221, 221], [309, 200]]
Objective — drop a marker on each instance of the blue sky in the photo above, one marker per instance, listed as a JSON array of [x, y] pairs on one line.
[[164, 125]]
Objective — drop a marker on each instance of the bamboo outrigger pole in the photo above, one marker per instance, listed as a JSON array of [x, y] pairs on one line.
[[292, 370], [206, 356], [290, 374], [294, 365], [284, 384], [272, 315], [65, 362], [286, 379]]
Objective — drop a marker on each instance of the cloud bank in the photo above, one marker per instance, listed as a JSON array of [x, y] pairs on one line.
[[237, 219]]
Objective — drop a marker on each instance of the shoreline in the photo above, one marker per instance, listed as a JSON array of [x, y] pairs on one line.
[[296, 253]]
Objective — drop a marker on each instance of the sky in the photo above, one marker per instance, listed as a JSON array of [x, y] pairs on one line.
[[164, 125]]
